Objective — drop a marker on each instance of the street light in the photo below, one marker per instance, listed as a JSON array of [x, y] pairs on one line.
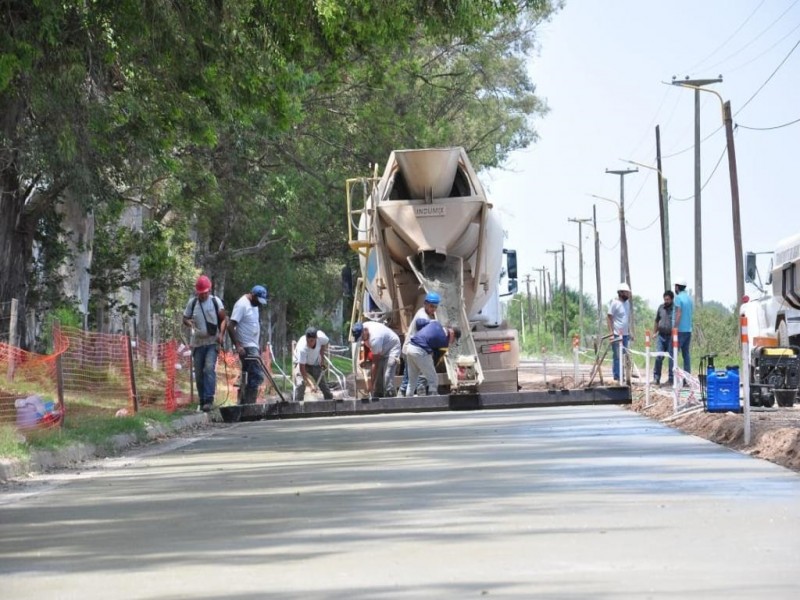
[[696, 85], [727, 120], [624, 275], [663, 212]]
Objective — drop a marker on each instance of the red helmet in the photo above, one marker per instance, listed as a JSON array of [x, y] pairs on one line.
[[202, 285]]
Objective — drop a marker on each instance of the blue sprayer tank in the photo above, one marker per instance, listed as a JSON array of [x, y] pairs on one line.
[[723, 389]]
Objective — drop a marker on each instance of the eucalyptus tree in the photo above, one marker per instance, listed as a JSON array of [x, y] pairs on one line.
[[117, 100]]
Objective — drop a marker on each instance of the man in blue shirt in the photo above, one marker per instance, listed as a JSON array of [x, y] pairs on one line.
[[430, 336], [683, 321]]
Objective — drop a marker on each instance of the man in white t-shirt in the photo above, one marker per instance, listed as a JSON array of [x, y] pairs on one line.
[[309, 361], [245, 329], [619, 324], [384, 344]]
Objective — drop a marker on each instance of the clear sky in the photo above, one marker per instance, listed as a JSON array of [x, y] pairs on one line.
[[601, 68]]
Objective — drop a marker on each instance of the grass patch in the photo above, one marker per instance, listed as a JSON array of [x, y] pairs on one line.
[[12, 444], [96, 430]]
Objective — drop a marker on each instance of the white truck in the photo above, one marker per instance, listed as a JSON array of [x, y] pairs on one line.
[[426, 225], [773, 325]]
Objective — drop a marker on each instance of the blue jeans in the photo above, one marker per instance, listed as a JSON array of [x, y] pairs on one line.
[[251, 366], [662, 345], [626, 339], [684, 341], [204, 359]]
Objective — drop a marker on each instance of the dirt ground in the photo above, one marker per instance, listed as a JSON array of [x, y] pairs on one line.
[[774, 432]]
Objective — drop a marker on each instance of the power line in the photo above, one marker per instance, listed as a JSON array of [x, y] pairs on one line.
[[761, 87], [728, 39], [769, 128], [763, 31], [646, 227], [724, 150], [766, 81], [757, 56]]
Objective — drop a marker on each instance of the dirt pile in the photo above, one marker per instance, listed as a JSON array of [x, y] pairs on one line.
[[774, 432]]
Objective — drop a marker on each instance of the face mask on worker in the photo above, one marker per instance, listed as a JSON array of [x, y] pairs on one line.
[[254, 301]]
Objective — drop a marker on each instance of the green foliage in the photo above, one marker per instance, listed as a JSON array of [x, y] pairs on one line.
[[236, 123], [12, 445], [66, 316], [96, 430], [716, 331]]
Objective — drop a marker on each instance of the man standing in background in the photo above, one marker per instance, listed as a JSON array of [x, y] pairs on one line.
[[684, 307], [663, 329], [205, 314], [619, 311], [245, 329]]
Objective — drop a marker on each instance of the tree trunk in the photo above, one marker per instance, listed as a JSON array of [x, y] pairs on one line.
[[16, 228]]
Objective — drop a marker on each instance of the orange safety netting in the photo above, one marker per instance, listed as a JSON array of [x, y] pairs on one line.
[[29, 395], [103, 374]]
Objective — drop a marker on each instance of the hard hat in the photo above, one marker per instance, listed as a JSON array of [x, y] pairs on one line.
[[432, 298], [680, 281], [260, 293], [357, 329], [623, 287], [202, 285], [311, 332]]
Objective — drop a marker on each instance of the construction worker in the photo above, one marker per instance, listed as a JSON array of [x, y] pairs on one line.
[[384, 345], [684, 307], [619, 324], [205, 315], [431, 336], [245, 329], [426, 313], [309, 361]]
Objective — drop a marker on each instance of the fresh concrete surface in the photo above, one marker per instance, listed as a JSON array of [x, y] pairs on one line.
[[576, 502]]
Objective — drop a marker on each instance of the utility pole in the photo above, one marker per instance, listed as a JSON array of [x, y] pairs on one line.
[[555, 270], [698, 219], [624, 267], [543, 310], [528, 286], [555, 254], [580, 223], [597, 275], [564, 292], [663, 211], [737, 224]]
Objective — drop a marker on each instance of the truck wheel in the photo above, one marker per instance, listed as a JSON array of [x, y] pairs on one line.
[[767, 398], [783, 334]]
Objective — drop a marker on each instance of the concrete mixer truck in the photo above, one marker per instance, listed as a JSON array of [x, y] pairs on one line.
[[773, 323], [425, 225]]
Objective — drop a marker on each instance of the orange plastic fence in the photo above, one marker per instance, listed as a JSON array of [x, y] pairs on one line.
[[104, 374], [29, 386]]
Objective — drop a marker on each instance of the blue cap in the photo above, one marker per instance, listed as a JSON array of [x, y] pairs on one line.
[[432, 298], [260, 292], [357, 330]]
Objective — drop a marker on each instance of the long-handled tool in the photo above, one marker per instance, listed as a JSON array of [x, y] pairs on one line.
[[597, 367], [266, 372]]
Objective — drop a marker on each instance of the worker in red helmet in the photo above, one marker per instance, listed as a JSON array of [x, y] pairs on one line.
[[205, 314]]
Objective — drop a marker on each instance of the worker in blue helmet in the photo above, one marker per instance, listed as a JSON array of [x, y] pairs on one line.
[[426, 313], [245, 329]]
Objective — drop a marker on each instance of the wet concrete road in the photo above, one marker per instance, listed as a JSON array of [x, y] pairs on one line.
[[590, 502]]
